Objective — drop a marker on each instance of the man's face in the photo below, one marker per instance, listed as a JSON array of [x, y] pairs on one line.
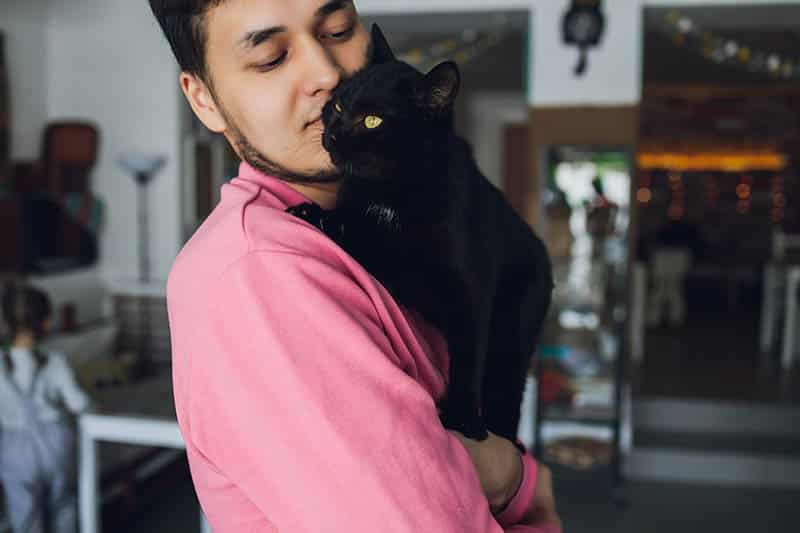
[[272, 66]]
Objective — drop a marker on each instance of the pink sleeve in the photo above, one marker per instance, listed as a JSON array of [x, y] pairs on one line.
[[520, 504], [299, 401]]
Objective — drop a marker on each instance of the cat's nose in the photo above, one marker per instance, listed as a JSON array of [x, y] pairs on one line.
[[328, 139]]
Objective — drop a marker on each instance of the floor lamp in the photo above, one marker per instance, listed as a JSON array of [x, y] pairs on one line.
[[143, 168]]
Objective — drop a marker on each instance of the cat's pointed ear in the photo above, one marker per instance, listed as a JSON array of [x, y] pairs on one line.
[[438, 89], [381, 51]]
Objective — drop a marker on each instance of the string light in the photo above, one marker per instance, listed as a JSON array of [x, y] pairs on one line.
[[743, 207], [675, 212], [677, 207], [777, 212], [743, 191], [685, 32]]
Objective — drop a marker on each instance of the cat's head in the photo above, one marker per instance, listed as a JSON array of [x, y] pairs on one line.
[[389, 117]]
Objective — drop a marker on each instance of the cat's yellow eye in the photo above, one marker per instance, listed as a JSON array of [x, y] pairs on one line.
[[337, 107], [372, 122]]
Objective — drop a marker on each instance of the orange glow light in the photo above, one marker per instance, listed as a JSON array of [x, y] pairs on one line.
[[743, 206], [644, 195], [710, 161], [743, 191]]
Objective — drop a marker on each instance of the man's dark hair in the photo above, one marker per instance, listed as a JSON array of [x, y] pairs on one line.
[[183, 24]]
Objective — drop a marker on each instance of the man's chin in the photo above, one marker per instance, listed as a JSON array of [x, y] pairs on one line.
[[323, 172], [320, 169]]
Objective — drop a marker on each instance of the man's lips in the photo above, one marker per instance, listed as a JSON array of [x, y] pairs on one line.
[[316, 122]]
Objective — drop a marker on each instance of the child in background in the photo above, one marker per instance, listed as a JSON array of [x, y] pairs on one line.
[[38, 400]]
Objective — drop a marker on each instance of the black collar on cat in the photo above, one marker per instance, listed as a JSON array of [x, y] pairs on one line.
[[329, 222]]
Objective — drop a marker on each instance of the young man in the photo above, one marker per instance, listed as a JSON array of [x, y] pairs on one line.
[[305, 394]]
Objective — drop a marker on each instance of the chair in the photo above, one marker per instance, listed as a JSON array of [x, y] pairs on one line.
[[69, 154], [668, 268], [60, 218]]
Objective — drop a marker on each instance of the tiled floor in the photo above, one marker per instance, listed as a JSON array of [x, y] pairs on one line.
[[668, 508], [714, 355], [654, 508]]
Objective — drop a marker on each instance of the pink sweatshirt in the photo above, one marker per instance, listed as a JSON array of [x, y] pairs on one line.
[[305, 394]]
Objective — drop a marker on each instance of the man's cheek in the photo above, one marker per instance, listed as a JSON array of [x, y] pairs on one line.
[[353, 58]]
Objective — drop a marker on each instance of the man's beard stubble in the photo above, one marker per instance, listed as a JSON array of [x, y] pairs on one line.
[[256, 159]]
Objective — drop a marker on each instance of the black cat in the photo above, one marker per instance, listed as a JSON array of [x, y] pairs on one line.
[[417, 213]]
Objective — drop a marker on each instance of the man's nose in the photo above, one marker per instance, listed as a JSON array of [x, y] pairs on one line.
[[322, 71]]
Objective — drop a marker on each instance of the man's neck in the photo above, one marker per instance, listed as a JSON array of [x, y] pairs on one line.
[[322, 194]]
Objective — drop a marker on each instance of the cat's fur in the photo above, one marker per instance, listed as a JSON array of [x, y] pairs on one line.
[[422, 219]]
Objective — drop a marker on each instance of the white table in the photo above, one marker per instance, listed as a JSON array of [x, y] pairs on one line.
[[141, 430]]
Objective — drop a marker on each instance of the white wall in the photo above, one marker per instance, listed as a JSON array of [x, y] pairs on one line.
[[488, 114], [23, 24], [108, 63], [613, 76]]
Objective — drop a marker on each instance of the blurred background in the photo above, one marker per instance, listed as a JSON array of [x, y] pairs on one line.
[[653, 144]]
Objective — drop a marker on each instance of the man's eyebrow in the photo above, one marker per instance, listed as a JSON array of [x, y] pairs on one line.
[[254, 38], [331, 7]]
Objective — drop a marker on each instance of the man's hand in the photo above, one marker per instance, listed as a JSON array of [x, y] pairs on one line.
[[499, 467], [543, 508]]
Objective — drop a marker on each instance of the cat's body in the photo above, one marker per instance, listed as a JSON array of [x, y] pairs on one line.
[[422, 219]]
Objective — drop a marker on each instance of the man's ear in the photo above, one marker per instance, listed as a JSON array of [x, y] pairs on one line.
[[202, 102], [437, 91], [381, 51]]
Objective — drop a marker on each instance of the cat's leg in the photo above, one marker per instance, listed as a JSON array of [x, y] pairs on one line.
[[444, 298], [517, 322], [467, 333]]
